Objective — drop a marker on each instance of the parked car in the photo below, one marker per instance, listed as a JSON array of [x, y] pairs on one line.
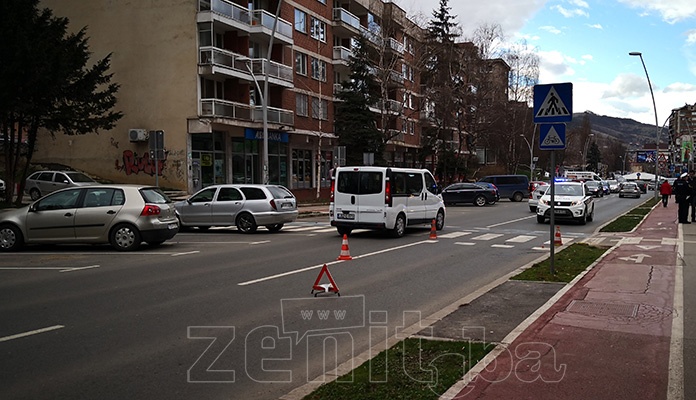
[[488, 185], [384, 198], [122, 215], [2, 187], [513, 187], [594, 188], [41, 183], [572, 201], [629, 189], [536, 195], [458, 193], [246, 206]]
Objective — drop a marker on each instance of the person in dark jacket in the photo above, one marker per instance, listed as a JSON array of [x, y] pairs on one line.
[[692, 196], [666, 192], [682, 192]]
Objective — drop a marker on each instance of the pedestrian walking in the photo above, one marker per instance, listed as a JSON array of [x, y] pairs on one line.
[[666, 192], [682, 192]]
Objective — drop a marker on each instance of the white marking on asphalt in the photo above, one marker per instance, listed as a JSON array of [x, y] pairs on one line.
[[521, 239], [300, 228], [297, 271], [185, 254], [453, 235], [487, 236], [540, 248], [32, 268], [465, 243], [34, 332], [508, 222], [503, 246], [260, 242], [79, 268]]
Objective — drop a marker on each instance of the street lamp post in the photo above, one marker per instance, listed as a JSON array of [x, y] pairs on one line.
[[531, 154], [657, 124], [264, 98], [623, 164]]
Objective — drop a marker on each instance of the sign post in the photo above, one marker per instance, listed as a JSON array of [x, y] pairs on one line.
[[553, 107], [156, 142]]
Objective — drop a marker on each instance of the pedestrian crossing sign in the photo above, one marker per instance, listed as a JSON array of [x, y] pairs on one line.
[[552, 137], [553, 103]]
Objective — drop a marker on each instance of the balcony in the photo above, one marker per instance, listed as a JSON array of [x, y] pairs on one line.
[[225, 109], [345, 23], [255, 21], [277, 71], [396, 77], [396, 45], [275, 116], [390, 105], [371, 36], [337, 88], [341, 53]]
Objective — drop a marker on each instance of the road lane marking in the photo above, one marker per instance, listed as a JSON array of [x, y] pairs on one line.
[[509, 222], [34, 332], [297, 271], [521, 239], [487, 236], [185, 253], [465, 243], [503, 246], [79, 268], [453, 235]]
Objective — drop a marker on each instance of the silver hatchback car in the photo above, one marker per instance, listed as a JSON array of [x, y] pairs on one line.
[[246, 206], [122, 215], [41, 183]]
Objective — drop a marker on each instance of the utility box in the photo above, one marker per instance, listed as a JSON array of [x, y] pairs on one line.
[[137, 135]]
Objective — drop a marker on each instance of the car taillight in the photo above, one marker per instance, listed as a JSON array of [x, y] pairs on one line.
[[149, 210], [273, 205], [333, 186], [387, 194]]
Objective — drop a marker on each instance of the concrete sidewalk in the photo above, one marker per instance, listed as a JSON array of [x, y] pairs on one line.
[[614, 333]]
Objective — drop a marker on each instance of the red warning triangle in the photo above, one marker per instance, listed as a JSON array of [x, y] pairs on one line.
[[326, 287]]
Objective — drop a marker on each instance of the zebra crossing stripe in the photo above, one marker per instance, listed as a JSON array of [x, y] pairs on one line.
[[488, 236], [454, 235], [521, 239], [503, 246]]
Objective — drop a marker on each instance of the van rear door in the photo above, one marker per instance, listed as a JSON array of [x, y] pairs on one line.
[[359, 195]]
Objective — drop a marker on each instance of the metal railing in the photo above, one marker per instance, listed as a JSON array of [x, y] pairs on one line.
[[342, 53], [396, 45], [264, 18], [215, 56], [275, 69], [340, 14], [275, 116], [225, 109], [243, 15]]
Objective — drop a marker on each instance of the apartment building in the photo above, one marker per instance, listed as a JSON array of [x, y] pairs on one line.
[[682, 128], [198, 70]]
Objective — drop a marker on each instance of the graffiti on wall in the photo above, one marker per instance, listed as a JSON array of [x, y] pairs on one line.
[[132, 163]]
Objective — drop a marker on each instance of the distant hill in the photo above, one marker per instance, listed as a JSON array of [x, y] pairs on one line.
[[624, 129]]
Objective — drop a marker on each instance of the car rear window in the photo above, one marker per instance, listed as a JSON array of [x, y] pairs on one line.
[[154, 196], [359, 182], [252, 193], [280, 192], [79, 177]]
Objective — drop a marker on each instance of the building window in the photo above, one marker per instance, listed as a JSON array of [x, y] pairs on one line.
[[300, 63], [301, 104], [317, 29], [300, 21], [320, 109], [318, 69]]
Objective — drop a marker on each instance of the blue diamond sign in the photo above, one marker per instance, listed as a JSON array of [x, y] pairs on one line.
[[553, 103]]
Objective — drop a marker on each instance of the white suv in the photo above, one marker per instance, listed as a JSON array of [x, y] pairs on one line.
[[572, 201]]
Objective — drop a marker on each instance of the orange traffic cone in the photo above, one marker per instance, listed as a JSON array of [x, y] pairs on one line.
[[433, 231], [557, 239], [345, 253]]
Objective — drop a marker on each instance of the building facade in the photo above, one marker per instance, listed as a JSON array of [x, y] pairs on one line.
[[199, 70]]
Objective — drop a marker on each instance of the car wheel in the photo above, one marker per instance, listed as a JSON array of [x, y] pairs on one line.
[[35, 194], [540, 219], [274, 228], [440, 220], [182, 227], [480, 201], [583, 220], [590, 217], [517, 197], [400, 226], [246, 223], [125, 237], [344, 231], [11, 238]]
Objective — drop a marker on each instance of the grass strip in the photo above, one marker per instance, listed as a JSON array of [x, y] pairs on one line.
[[568, 263], [411, 369], [631, 219]]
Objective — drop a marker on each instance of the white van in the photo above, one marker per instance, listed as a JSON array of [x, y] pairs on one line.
[[385, 199]]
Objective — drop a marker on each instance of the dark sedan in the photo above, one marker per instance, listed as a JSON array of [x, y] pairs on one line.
[[469, 193], [594, 188]]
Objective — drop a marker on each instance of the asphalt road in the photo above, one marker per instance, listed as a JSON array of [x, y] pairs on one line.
[[220, 314]]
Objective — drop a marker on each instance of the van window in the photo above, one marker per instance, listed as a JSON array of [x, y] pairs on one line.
[[398, 183], [414, 183], [358, 182], [488, 179], [430, 183]]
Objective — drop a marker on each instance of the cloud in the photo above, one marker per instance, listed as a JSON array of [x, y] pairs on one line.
[[671, 11], [691, 37], [579, 3], [570, 13], [680, 87], [550, 29], [596, 26], [587, 57], [627, 85]]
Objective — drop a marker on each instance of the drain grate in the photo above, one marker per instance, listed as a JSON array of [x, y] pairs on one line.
[[603, 309]]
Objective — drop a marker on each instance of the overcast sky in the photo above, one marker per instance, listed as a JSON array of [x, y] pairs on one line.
[[587, 42]]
